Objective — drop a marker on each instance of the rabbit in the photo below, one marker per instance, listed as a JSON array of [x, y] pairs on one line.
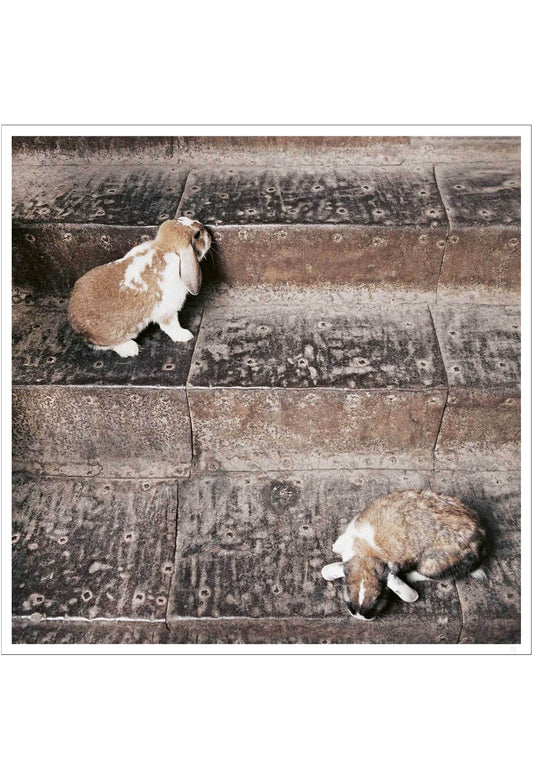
[[112, 303], [430, 535]]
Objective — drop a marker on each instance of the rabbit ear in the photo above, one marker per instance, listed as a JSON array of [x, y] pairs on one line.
[[190, 271], [333, 571], [399, 587]]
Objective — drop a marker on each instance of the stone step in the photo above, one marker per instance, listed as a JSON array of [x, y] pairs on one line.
[[269, 150], [266, 389], [309, 389], [254, 546], [92, 548], [482, 254], [284, 389], [101, 561], [378, 230], [69, 219], [79, 411], [480, 347], [369, 231], [491, 610]]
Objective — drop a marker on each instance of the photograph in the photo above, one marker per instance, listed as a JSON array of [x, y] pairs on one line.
[[266, 390]]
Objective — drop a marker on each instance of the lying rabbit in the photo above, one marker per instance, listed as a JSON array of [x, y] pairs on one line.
[[433, 536], [112, 303]]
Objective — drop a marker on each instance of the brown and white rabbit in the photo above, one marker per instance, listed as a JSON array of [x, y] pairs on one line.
[[112, 303], [430, 535]]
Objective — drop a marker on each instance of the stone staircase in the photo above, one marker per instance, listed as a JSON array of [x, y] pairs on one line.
[[358, 332]]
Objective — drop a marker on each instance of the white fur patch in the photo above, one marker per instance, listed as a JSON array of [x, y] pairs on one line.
[[344, 546], [133, 275], [173, 290], [480, 574], [186, 221], [140, 248], [362, 592], [365, 532]]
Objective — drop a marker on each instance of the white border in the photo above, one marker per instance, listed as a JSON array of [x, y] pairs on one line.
[[430, 130]]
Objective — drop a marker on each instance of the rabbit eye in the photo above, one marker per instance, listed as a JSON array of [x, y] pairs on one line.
[[197, 234]]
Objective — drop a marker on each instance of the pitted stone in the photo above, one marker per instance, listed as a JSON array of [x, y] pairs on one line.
[[491, 608], [367, 227], [50, 258], [107, 431], [91, 149], [92, 548], [82, 632], [47, 351], [77, 410], [100, 195], [71, 218], [370, 195], [247, 566], [480, 346], [260, 429], [482, 257], [252, 548], [481, 350], [365, 348], [316, 389], [270, 150], [480, 194]]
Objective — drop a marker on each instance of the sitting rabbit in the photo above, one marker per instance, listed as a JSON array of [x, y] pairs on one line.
[[433, 536], [111, 304]]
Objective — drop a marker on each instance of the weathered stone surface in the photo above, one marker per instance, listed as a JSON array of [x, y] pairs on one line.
[[366, 348], [372, 228], [482, 255], [247, 566], [219, 294], [479, 432], [316, 390], [46, 350], [77, 149], [71, 218], [209, 631], [141, 195], [491, 609], [101, 431], [71, 417], [433, 622], [480, 346], [92, 548], [252, 547], [236, 429], [367, 226], [374, 195], [401, 263], [52, 256], [269, 150], [481, 350], [84, 632]]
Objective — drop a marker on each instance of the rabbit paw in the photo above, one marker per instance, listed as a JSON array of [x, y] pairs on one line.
[[181, 336], [129, 348], [175, 331]]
